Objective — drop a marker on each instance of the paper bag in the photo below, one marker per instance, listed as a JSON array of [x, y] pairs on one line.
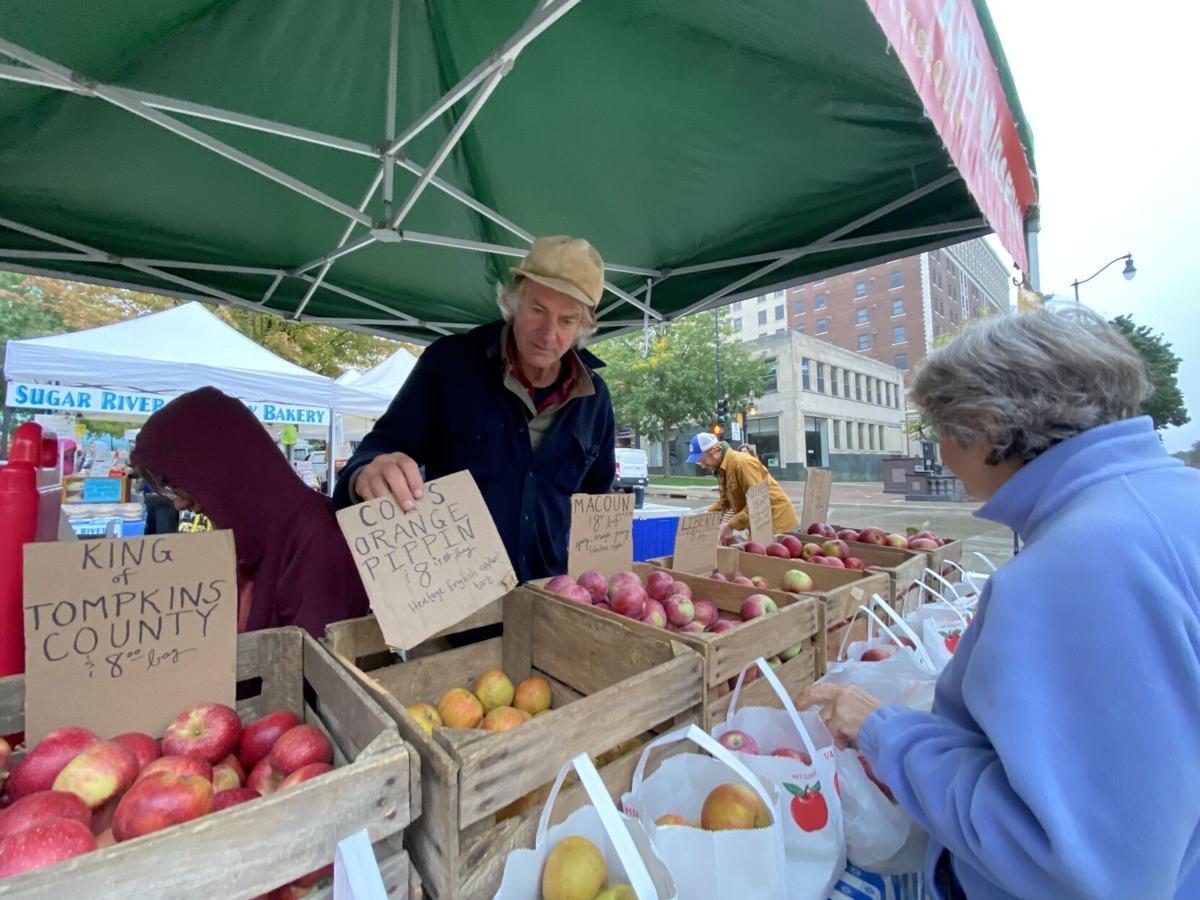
[[814, 846], [708, 865], [626, 847]]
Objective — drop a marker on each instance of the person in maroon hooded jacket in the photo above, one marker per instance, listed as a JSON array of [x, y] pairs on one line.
[[207, 452]]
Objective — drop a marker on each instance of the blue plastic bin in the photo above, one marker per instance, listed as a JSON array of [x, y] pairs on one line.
[[654, 535]]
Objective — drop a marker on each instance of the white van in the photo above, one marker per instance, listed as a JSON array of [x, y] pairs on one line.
[[632, 473]]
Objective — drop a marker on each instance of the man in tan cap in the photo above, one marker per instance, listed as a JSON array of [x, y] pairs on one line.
[[516, 402]]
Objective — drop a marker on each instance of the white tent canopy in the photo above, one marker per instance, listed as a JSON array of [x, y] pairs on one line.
[[172, 352], [382, 381]]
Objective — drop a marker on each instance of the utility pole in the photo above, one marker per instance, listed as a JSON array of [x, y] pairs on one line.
[[717, 355]]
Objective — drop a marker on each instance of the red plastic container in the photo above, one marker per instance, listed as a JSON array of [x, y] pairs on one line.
[[18, 526], [49, 457]]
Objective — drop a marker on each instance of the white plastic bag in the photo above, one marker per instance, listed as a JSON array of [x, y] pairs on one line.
[[814, 847], [708, 865], [626, 846]]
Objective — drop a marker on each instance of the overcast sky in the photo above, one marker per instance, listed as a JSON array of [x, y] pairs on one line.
[[1109, 93]]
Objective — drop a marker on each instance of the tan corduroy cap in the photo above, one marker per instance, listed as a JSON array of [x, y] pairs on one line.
[[566, 264]]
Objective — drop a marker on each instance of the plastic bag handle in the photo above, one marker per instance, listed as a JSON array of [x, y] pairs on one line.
[[781, 692], [946, 583], [987, 562], [873, 620], [627, 852], [697, 736], [921, 654]]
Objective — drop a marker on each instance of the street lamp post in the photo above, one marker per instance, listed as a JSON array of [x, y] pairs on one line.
[[1129, 271]]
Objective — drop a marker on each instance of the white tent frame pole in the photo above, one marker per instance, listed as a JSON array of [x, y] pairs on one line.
[[270, 291], [438, 240], [467, 200], [204, 267], [389, 118], [52, 238], [59, 256]]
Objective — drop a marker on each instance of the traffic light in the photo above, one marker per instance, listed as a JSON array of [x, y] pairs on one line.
[[722, 407], [718, 429]]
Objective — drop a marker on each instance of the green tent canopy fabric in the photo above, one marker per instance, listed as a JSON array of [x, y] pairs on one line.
[[380, 164]]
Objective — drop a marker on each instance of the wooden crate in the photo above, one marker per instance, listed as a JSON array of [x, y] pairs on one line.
[[936, 560], [799, 620], [611, 682], [254, 847], [905, 568]]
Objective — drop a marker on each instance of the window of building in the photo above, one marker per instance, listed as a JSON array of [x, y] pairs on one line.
[[779, 313], [837, 434], [762, 299], [778, 295], [954, 315], [847, 377], [737, 324], [864, 342], [849, 435], [805, 382], [898, 336], [862, 436], [799, 306], [822, 300], [833, 378], [860, 290], [895, 280], [872, 430], [770, 381], [820, 378], [737, 306], [816, 439], [800, 329], [762, 317], [822, 326], [858, 380], [902, 361], [898, 306], [764, 435], [938, 307], [860, 316]]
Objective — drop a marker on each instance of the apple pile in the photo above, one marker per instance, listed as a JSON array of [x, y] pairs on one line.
[[662, 601], [741, 742], [73, 792], [728, 807], [493, 704], [919, 540], [834, 553]]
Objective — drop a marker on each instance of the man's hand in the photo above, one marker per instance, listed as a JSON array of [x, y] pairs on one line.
[[390, 473], [726, 535], [844, 708]]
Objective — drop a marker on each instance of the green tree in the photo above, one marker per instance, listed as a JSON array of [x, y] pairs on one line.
[[667, 379], [1191, 457], [1165, 405], [20, 317]]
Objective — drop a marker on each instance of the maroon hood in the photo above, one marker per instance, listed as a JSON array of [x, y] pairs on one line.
[[287, 539]]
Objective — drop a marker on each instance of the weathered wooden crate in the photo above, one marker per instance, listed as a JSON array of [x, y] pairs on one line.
[[798, 621], [610, 683], [252, 848], [936, 560], [840, 591], [905, 568]]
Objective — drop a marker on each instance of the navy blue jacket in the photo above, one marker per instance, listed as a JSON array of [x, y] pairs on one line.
[[455, 413]]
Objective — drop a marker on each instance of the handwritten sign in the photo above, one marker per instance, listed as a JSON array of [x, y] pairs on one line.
[[431, 567], [601, 534], [696, 542], [816, 496], [122, 635], [758, 500]]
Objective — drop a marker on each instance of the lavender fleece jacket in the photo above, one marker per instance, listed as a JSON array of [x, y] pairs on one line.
[[1062, 756]]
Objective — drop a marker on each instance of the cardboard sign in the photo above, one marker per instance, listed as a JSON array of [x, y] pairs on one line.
[[601, 534], [696, 542], [431, 567], [758, 501], [816, 497], [123, 635]]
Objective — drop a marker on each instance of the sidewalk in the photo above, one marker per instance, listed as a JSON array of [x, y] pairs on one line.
[[845, 493]]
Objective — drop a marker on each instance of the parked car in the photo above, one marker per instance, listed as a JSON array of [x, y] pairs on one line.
[[632, 473]]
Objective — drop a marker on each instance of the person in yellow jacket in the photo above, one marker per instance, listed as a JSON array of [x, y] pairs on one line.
[[737, 473]]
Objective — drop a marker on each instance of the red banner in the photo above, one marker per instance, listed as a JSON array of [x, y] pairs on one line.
[[942, 47]]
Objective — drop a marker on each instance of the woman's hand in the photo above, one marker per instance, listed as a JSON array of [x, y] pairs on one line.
[[844, 708]]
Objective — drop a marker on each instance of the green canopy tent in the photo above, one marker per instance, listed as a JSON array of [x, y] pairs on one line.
[[379, 165]]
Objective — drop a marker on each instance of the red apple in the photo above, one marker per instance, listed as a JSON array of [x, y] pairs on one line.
[[44, 844], [743, 581], [5, 753], [595, 584], [99, 773], [810, 551], [922, 544], [225, 778], [576, 592], [232, 797], [658, 585], [691, 628], [655, 614], [797, 581], [619, 580], [789, 753], [717, 576], [884, 789], [629, 600], [896, 540], [722, 625], [706, 612], [822, 529], [853, 562], [260, 735], [779, 550], [605, 606], [760, 582], [41, 807], [757, 605], [680, 610], [874, 654], [739, 741], [681, 587], [754, 547], [925, 534], [144, 747], [873, 535], [793, 544], [312, 770], [847, 534], [41, 765], [836, 549], [558, 582], [178, 765], [210, 731], [159, 801], [298, 747], [264, 778], [833, 562], [236, 764]]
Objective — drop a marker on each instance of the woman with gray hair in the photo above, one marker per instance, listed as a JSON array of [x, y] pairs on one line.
[[1060, 757]]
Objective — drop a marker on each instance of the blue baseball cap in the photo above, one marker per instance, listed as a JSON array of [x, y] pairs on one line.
[[701, 444]]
